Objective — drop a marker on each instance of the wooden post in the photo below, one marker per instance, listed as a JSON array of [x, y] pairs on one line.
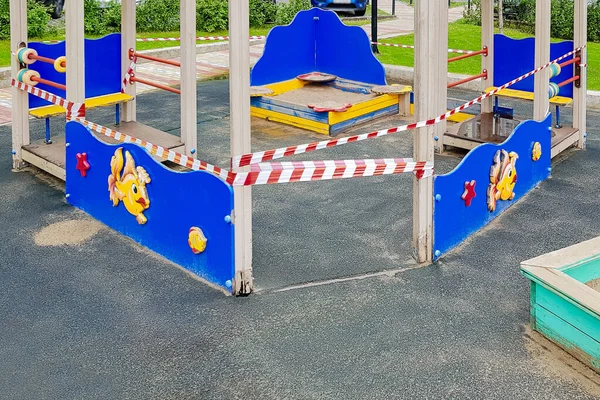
[[74, 39], [487, 39], [542, 56], [189, 128], [579, 93], [431, 70], [239, 98], [128, 42], [20, 101]]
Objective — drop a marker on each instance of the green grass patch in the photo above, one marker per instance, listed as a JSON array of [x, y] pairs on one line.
[[468, 37], [452, 3]]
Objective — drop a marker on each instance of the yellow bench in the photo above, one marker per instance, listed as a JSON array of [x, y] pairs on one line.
[[523, 95], [54, 110]]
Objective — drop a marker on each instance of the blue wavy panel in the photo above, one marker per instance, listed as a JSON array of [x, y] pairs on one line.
[[516, 57], [165, 214], [454, 220]]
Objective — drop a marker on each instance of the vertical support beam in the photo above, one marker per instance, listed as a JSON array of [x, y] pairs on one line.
[[374, 26], [128, 42], [431, 70], [579, 93], [20, 102], [189, 127], [487, 39], [239, 99], [75, 51], [542, 56]]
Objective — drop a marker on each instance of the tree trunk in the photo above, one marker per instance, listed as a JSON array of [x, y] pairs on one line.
[[500, 17]]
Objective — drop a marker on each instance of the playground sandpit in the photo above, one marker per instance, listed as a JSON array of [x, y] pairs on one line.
[[315, 93], [594, 284]]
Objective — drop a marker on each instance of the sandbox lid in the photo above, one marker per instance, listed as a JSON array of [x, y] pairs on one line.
[[316, 77], [330, 105], [389, 89], [258, 91]]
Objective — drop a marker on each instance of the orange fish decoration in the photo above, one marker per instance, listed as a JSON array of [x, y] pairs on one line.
[[503, 177]]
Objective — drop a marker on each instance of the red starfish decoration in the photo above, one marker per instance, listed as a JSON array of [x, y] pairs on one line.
[[469, 193], [82, 164]]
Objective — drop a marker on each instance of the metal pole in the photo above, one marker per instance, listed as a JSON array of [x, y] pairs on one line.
[[393, 7], [374, 26]]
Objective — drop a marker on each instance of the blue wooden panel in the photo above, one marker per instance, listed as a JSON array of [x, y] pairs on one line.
[[393, 109], [102, 67], [453, 220], [568, 311], [178, 201], [345, 51], [565, 334], [515, 57], [585, 272], [289, 51], [317, 40], [289, 109]]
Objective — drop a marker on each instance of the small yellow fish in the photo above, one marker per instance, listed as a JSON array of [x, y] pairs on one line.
[[197, 240], [130, 187], [503, 177], [537, 151]]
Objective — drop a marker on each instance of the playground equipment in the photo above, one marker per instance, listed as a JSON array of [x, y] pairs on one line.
[[322, 45], [145, 200], [565, 299]]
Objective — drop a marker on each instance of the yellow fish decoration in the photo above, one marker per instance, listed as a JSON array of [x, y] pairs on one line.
[[197, 240], [128, 184], [503, 177], [536, 153]]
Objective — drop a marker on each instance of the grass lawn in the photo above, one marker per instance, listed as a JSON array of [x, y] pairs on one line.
[[468, 37], [452, 3]]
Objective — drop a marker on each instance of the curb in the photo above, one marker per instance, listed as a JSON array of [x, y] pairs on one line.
[[405, 75], [168, 52]]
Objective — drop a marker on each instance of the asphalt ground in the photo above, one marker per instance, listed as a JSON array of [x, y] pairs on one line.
[[108, 319]]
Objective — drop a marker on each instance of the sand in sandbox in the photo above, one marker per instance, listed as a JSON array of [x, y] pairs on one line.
[[72, 232], [314, 94], [594, 284]]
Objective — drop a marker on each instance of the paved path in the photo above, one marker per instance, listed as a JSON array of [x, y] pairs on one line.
[[210, 65]]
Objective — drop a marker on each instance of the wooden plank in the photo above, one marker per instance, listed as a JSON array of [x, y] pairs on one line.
[[365, 107], [542, 56], [487, 39], [431, 69], [146, 133], [188, 98], [565, 137], [460, 117], [580, 93], [390, 110], [523, 95], [298, 122], [239, 100], [285, 107], [92, 102], [20, 103], [286, 86], [128, 42], [566, 256], [74, 39], [44, 164]]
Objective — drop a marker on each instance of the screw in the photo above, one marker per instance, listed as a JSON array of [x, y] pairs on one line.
[[228, 283], [228, 219], [438, 197]]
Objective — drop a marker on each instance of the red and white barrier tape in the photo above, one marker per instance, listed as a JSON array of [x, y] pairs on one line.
[[201, 38], [261, 156], [128, 74], [78, 109], [407, 46]]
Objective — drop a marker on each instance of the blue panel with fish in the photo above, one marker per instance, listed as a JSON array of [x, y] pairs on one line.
[[488, 180], [181, 215], [317, 40], [102, 67], [516, 57]]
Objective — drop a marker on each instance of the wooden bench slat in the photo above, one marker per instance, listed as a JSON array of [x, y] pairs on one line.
[[523, 95], [93, 102]]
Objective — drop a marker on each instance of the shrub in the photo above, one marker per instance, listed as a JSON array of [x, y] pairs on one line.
[[93, 23], [112, 16], [158, 16], [212, 15], [261, 12], [37, 19], [287, 11]]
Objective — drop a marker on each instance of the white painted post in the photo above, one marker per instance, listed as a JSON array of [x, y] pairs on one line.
[[487, 39], [239, 98], [128, 42], [579, 93], [431, 70], [75, 51], [542, 56], [189, 128], [20, 102]]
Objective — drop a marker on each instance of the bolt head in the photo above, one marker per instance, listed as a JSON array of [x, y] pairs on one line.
[[438, 197], [437, 253], [228, 284], [228, 219]]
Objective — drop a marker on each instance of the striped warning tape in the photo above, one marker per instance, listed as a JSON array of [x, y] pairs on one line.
[[128, 74], [201, 38], [408, 46], [261, 156], [78, 109]]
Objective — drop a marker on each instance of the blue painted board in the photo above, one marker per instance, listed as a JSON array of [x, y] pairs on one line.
[[453, 220], [284, 107], [515, 57], [585, 272], [102, 67], [178, 201], [317, 40], [340, 126]]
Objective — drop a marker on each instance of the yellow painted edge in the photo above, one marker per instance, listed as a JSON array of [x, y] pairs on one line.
[[363, 108], [285, 86], [92, 102], [460, 117], [412, 109], [274, 116], [523, 95]]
